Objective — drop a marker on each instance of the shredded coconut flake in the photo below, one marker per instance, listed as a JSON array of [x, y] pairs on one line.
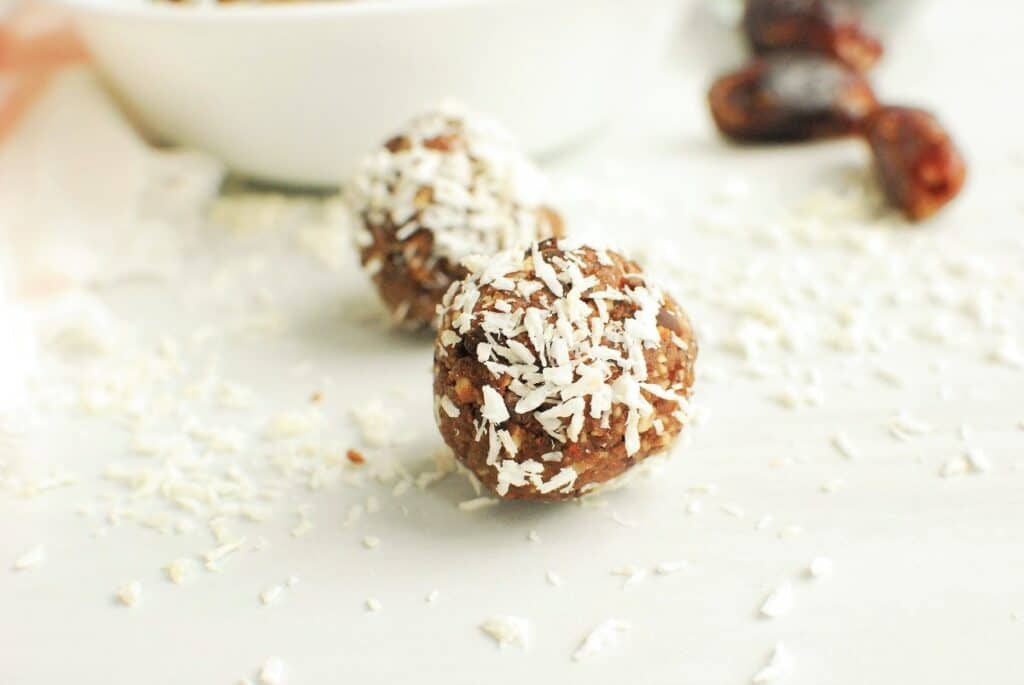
[[508, 631], [30, 558], [779, 667], [843, 445], [130, 593], [272, 672], [779, 602], [181, 571], [834, 485], [477, 503], [271, 595], [600, 638], [668, 567], [820, 567], [977, 460]]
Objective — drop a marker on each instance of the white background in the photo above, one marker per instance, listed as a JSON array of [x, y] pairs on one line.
[[927, 569]]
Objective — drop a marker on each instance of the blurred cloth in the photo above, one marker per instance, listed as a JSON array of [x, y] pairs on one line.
[[83, 198], [35, 41]]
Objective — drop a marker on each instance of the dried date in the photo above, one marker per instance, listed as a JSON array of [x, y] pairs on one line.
[[915, 159], [790, 97], [823, 26]]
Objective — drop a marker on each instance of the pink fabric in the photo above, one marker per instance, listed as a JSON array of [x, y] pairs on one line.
[[35, 41]]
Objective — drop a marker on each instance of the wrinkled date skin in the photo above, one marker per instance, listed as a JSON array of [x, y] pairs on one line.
[[790, 97], [823, 26], [916, 161]]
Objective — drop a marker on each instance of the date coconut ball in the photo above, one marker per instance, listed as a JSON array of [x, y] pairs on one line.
[[558, 368], [451, 185]]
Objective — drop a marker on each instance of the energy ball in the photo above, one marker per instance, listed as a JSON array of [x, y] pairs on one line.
[[558, 368], [453, 184]]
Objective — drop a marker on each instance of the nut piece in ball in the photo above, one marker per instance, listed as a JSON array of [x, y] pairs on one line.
[[557, 369], [452, 184]]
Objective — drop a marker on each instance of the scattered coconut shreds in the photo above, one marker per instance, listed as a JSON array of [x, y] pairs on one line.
[[477, 503], [779, 602], [533, 536], [668, 567], [600, 638], [181, 571], [130, 593], [779, 667], [273, 672], [371, 542], [508, 631], [764, 522], [843, 445], [30, 558], [769, 313], [433, 596], [820, 567], [372, 605], [553, 578]]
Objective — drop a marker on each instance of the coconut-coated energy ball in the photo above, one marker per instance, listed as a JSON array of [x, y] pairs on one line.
[[451, 185], [558, 368]]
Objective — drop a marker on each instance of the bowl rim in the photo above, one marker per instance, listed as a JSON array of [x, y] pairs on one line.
[[275, 11]]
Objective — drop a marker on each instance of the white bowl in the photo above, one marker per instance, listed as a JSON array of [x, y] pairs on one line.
[[296, 92]]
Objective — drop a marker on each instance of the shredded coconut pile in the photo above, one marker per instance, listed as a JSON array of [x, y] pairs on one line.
[[456, 174], [567, 356]]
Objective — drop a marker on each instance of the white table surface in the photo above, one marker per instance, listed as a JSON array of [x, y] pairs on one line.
[[927, 584]]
